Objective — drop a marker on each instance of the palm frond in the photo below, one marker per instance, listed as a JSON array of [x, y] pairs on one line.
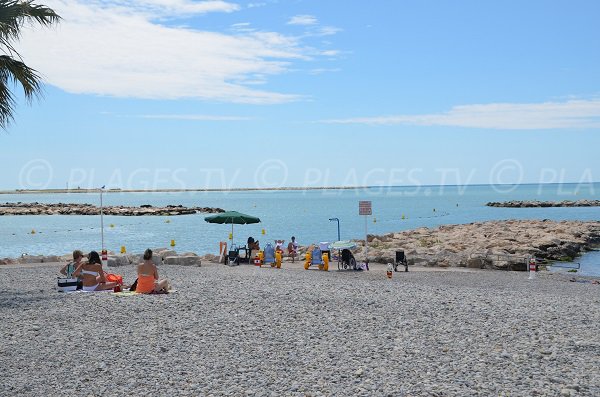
[[14, 14], [7, 105], [13, 72]]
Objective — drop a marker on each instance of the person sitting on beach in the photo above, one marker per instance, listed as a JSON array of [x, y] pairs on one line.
[[147, 281], [92, 274], [70, 267], [279, 245], [293, 248], [253, 244]]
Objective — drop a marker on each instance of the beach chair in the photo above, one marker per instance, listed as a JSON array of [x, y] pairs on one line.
[[233, 257], [271, 256], [317, 257]]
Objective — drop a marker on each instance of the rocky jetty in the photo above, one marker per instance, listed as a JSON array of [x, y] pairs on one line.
[[493, 245], [544, 204], [89, 209]]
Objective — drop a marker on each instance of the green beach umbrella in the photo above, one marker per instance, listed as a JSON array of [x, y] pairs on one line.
[[233, 217], [344, 244]]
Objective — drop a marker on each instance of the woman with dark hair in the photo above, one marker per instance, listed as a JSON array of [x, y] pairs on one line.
[[148, 281], [93, 275]]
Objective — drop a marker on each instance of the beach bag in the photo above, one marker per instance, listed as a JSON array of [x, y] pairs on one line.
[[67, 284], [114, 278]]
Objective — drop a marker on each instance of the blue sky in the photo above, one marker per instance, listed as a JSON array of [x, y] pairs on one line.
[[221, 94]]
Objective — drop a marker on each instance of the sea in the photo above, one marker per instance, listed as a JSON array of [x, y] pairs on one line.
[[304, 214]]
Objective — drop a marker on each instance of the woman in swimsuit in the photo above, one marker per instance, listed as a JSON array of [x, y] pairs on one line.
[[93, 275], [147, 281]]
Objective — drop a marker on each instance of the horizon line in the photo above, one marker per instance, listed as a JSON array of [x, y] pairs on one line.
[[289, 188]]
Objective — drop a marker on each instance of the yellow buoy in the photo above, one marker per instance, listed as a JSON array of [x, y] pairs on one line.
[[172, 243], [111, 225], [403, 217], [168, 221], [231, 236], [123, 250], [263, 232], [33, 231]]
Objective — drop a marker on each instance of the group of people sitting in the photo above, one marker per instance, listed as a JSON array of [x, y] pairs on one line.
[[292, 247], [93, 278]]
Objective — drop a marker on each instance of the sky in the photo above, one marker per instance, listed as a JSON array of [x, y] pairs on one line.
[[152, 94]]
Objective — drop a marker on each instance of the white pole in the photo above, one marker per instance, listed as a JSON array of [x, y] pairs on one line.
[[101, 219]]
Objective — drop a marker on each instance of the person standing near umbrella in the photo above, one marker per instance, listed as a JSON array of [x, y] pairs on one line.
[[232, 217]]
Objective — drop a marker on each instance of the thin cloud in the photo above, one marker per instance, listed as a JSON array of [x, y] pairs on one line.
[[572, 114], [324, 70], [303, 20], [256, 5], [161, 8], [193, 117], [115, 48]]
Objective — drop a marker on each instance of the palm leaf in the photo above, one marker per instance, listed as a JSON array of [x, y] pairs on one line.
[[14, 15]]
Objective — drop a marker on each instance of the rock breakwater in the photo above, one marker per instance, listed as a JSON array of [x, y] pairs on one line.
[[89, 209], [544, 204], [494, 245]]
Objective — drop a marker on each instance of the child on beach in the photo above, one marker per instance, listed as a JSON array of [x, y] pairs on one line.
[[93, 276], [148, 281]]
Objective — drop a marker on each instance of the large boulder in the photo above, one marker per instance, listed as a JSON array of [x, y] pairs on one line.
[[139, 258], [164, 253], [51, 259], [118, 260], [31, 259], [210, 258], [189, 261], [171, 260], [475, 263]]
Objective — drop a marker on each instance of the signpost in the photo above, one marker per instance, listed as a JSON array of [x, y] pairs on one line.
[[364, 208]]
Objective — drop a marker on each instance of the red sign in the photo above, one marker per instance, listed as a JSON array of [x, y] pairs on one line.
[[364, 208]]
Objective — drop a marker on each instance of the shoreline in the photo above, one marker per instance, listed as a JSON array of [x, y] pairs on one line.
[[496, 245]]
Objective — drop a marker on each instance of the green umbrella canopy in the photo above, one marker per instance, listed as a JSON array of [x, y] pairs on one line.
[[344, 244], [232, 217]]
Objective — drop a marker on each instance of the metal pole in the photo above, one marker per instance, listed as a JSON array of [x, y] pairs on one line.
[[338, 225], [366, 243], [102, 218]]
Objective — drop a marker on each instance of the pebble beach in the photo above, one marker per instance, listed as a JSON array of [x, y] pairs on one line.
[[248, 331]]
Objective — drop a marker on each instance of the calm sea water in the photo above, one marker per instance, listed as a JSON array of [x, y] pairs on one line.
[[303, 214]]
